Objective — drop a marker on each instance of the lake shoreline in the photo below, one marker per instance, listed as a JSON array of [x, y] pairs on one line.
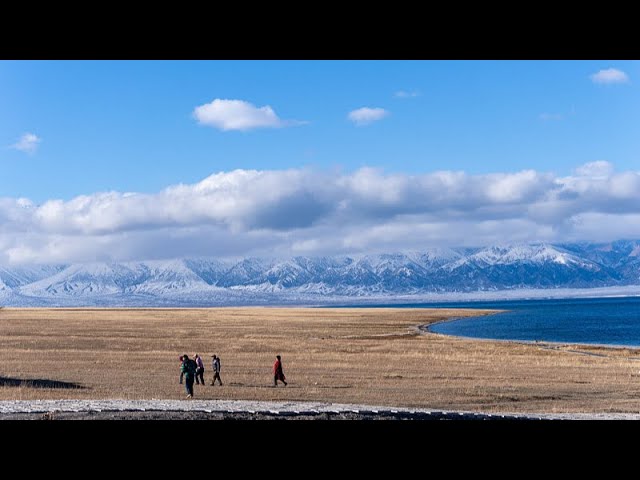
[[610, 322], [426, 329]]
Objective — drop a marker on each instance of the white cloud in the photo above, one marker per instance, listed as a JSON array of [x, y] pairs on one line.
[[599, 168], [609, 75], [307, 211], [365, 115], [406, 94], [27, 143], [239, 115]]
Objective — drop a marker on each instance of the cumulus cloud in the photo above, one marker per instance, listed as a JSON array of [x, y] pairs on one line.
[[406, 94], [599, 168], [239, 115], [27, 143], [365, 115], [315, 212], [609, 75]]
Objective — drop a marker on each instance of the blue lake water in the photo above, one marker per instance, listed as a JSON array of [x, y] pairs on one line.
[[610, 321]]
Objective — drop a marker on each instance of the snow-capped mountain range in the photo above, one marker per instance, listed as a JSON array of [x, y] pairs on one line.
[[446, 272]]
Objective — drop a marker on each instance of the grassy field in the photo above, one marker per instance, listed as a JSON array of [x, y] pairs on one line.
[[370, 356]]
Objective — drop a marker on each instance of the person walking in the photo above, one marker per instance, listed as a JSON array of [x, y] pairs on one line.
[[215, 363], [188, 370], [199, 370], [278, 374]]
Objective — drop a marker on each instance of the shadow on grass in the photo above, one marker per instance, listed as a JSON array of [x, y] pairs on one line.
[[38, 383]]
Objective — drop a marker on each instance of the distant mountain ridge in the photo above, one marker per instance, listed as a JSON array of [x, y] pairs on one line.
[[300, 279]]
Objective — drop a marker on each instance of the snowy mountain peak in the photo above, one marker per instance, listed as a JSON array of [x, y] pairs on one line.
[[208, 281], [509, 254]]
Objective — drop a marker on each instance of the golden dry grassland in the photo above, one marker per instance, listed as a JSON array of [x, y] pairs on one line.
[[368, 356]]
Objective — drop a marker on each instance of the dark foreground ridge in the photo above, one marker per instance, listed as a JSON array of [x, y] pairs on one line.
[[266, 415]]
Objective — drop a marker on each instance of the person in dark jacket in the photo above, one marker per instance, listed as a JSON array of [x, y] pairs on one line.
[[215, 364], [278, 374], [188, 369]]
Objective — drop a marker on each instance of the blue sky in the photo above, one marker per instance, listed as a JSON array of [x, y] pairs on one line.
[[71, 128], [128, 126]]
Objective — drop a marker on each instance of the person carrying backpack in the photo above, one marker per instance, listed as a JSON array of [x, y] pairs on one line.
[[188, 369]]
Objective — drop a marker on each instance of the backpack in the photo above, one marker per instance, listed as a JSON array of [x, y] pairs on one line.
[[192, 367]]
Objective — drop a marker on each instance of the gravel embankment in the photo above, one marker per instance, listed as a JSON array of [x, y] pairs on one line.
[[252, 410]]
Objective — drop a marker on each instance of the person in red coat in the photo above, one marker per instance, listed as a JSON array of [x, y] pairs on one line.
[[278, 374]]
